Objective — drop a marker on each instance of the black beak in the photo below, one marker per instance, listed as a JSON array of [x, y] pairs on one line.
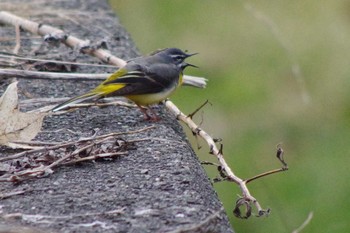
[[190, 55], [184, 65]]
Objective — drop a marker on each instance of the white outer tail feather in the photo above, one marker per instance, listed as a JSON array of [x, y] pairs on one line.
[[75, 100]]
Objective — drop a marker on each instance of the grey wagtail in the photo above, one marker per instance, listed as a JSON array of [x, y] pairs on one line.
[[144, 80]]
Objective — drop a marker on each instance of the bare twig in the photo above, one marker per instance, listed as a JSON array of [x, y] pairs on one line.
[[77, 151], [265, 174], [247, 199], [17, 57], [216, 152], [305, 223], [279, 155], [74, 42], [224, 168], [9, 73], [14, 193], [69, 40], [199, 108], [94, 157], [209, 163], [111, 148], [18, 40], [37, 143], [25, 153]]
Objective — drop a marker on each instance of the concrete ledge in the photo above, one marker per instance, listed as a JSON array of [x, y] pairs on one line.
[[158, 187]]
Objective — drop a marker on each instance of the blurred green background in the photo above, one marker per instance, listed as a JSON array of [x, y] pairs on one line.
[[248, 50]]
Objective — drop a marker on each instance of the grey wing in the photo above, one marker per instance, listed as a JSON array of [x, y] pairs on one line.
[[147, 80]]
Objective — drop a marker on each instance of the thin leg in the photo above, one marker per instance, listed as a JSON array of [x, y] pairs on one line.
[[149, 117], [154, 115], [144, 111]]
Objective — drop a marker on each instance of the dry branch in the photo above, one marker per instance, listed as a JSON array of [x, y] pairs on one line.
[[70, 41], [83, 46], [305, 223], [216, 152], [60, 145], [246, 200], [7, 56], [87, 149], [9, 73]]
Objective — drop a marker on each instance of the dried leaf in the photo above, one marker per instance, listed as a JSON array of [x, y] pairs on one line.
[[16, 125], [242, 203]]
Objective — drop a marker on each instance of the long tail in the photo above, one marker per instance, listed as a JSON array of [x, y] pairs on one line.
[[75, 100]]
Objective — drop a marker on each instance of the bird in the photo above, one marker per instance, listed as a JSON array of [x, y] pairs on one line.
[[145, 80]]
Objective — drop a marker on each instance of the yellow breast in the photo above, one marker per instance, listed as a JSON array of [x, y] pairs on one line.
[[154, 98]]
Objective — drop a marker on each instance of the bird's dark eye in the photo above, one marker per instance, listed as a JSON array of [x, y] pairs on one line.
[[178, 58]]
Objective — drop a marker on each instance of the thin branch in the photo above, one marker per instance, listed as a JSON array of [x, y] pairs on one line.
[[77, 151], [105, 56], [305, 223], [15, 193], [68, 40], [209, 163], [9, 73], [25, 153], [37, 143], [216, 152], [74, 42], [18, 40], [193, 81], [265, 174], [199, 108], [17, 57], [38, 169], [94, 157]]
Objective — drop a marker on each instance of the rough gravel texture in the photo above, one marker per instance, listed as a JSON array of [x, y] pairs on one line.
[[159, 186]]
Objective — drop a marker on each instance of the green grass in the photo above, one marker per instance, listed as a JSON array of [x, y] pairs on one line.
[[257, 101]]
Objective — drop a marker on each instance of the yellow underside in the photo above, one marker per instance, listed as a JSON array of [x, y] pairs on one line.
[[148, 99]]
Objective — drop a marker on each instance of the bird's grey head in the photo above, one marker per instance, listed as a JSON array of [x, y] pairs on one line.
[[176, 56]]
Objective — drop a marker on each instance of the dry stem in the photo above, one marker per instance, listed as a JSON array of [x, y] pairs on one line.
[[104, 55], [54, 147], [17, 57], [68, 40], [87, 146], [305, 223], [216, 152], [9, 73]]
